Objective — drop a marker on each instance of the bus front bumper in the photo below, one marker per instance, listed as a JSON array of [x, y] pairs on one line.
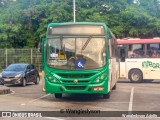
[[100, 88]]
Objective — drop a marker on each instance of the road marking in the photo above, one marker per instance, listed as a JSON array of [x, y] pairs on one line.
[[117, 102], [23, 104], [131, 100], [13, 110], [53, 118], [39, 98], [12, 92]]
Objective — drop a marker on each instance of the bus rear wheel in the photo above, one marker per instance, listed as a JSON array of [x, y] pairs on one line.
[[135, 76], [58, 95]]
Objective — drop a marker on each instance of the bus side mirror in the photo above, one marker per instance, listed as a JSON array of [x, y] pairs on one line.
[[40, 47]]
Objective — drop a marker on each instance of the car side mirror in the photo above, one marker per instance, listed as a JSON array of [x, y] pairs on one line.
[[28, 70], [3, 67]]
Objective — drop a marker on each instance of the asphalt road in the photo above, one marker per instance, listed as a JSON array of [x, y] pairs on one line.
[[128, 97]]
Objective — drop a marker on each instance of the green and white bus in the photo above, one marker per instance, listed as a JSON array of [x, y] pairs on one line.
[[79, 58], [139, 59]]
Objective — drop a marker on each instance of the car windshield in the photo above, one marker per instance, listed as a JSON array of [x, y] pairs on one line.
[[76, 53], [16, 67]]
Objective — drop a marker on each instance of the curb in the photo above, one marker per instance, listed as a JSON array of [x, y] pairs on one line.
[[4, 90]]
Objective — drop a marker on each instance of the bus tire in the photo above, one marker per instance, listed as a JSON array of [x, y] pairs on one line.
[[106, 96], [114, 87], [58, 95], [136, 76]]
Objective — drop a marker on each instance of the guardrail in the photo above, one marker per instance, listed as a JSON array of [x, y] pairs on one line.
[[9, 56]]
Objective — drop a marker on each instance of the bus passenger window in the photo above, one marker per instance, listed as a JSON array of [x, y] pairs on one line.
[[130, 47], [137, 51], [154, 54], [130, 52], [153, 50]]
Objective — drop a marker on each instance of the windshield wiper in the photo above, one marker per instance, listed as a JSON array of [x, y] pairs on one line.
[[86, 43]]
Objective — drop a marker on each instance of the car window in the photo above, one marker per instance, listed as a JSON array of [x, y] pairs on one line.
[[32, 67], [28, 67], [15, 67]]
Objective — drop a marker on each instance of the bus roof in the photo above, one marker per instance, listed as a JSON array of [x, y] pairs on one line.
[[76, 23], [137, 41], [78, 28]]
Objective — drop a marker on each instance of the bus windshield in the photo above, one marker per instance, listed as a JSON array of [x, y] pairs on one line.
[[76, 53]]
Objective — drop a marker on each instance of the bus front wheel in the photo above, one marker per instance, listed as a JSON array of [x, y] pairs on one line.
[[106, 96], [135, 76], [58, 95]]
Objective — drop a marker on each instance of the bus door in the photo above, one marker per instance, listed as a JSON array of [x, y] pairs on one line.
[[122, 63]]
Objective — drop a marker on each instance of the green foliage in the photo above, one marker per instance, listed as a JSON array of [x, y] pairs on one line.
[[23, 21]]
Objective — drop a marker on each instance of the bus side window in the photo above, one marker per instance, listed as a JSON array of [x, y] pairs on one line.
[[122, 54], [130, 47], [130, 52]]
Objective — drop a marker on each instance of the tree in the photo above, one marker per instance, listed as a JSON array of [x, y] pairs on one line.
[[23, 21]]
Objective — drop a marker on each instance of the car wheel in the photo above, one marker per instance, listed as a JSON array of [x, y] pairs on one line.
[[58, 95], [24, 82], [136, 76], [37, 80], [1, 82]]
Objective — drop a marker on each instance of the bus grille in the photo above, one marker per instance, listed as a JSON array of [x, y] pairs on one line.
[[75, 75], [75, 87], [79, 81]]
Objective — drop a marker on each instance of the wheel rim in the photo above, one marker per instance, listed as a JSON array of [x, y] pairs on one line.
[[24, 82], [135, 76]]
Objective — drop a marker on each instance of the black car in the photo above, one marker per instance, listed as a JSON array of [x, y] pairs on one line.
[[20, 74], [1, 83]]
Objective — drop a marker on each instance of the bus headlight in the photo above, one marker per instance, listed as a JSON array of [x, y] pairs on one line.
[[49, 77], [97, 80], [52, 79], [100, 78]]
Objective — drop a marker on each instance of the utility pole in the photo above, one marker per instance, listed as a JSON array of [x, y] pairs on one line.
[[74, 11]]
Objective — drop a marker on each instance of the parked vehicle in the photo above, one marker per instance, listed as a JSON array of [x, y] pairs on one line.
[[79, 58], [1, 83], [20, 74]]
